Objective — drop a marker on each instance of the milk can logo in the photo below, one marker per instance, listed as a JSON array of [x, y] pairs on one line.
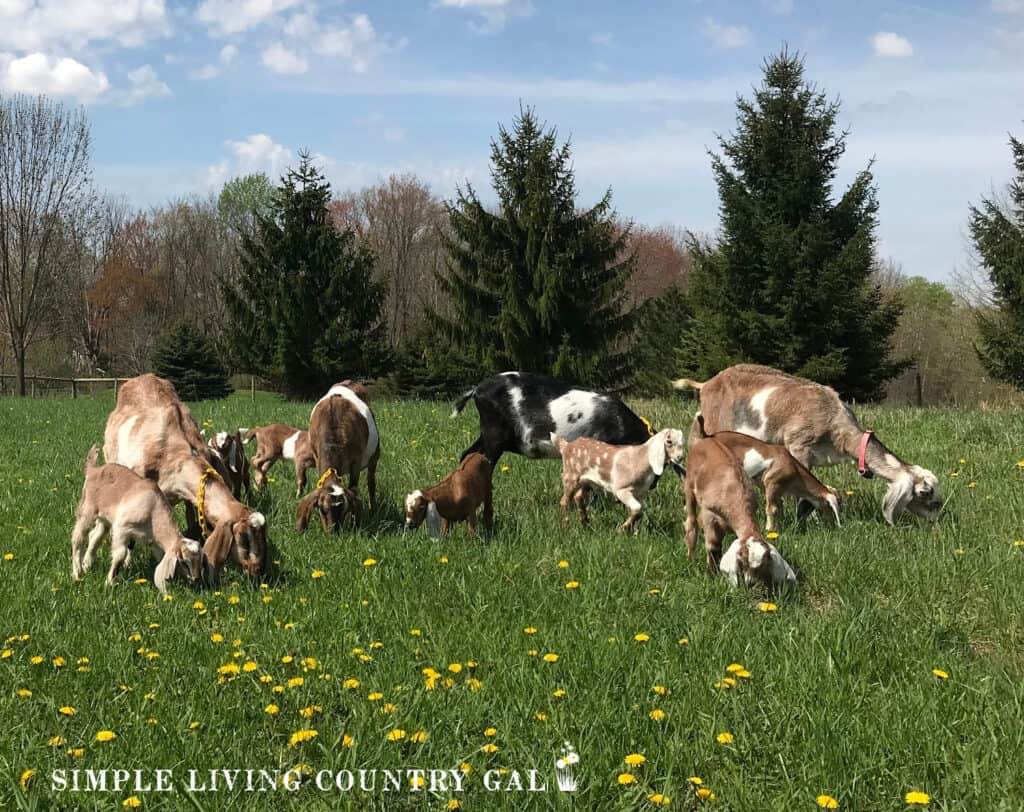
[[565, 766]]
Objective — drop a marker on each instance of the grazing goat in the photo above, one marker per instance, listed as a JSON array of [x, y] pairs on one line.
[[344, 440], [119, 503], [776, 470], [519, 412], [454, 499], [750, 560], [628, 472], [279, 441], [234, 466], [152, 432], [815, 426]]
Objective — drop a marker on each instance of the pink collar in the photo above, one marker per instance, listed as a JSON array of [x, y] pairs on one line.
[[862, 466]]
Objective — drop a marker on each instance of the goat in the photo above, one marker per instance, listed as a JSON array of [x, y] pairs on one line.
[[750, 560], [776, 470], [519, 412], [154, 434], [454, 499], [815, 426], [344, 440], [280, 441], [119, 503], [628, 472], [234, 466]]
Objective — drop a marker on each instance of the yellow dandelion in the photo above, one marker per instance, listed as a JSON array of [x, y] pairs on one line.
[[572, 585], [443, 559], [229, 669], [733, 668], [917, 798], [635, 759], [489, 748], [396, 735], [67, 710], [772, 535], [26, 779], [350, 684], [7, 652], [194, 725], [347, 740], [657, 714], [827, 802], [705, 794], [76, 752], [24, 693], [659, 800], [530, 630], [455, 803], [56, 741], [540, 716], [551, 657], [234, 599], [626, 778], [455, 668], [766, 606], [695, 780], [295, 682], [563, 564], [369, 562], [36, 660], [266, 679], [302, 736], [465, 768], [683, 641], [249, 666], [376, 696], [271, 709], [132, 802], [938, 672], [217, 637], [724, 738], [106, 736], [474, 684], [310, 711], [491, 732], [558, 693], [316, 574], [415, 632], [642, 637], [660, 690], [418, 737]]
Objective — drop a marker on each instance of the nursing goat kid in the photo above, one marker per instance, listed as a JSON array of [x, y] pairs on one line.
[[815, 426], [344, 440], [519, 412], [119, 503], [280, 441], [456, 498]]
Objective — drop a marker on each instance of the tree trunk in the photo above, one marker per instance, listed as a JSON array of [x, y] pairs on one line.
[[19, 359]]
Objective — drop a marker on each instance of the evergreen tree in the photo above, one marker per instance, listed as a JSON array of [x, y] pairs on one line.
[[663, 324], [998, 235], [788, 283], [305, 310], [186, 358], [537, 284]]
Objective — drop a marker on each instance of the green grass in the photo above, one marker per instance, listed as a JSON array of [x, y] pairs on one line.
[[842, 699]]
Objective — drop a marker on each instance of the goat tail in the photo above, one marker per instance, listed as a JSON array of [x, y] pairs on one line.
[[91, 458], [250, 435], [460, 404], [699, 418], [686, 383]]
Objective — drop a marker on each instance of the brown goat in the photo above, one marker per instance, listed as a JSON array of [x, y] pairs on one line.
[[154, 434], [454, 499], [344, 440], [778, 472], [280, 441]]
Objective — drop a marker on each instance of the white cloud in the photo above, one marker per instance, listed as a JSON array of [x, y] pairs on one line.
[[302, 24], [205, 73], [143, 84], [357, 43], [280, 59], [39, 73], [493, 14], [255, 153], [726, 36], [232, 16], [890, 45], [228, 54], [393, 134], [31, 25]]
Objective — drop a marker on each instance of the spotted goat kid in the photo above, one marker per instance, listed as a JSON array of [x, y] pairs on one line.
[[628, 472]]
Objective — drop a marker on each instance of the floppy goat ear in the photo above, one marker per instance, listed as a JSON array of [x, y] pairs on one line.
[[165, 571], [433, 521], [656, 453], [217, 548], [306, 509], [897, 497]]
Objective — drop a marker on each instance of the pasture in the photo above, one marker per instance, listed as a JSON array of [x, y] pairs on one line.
[[537, 636]]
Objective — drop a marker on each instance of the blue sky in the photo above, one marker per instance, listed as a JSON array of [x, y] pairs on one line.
[[183, 95]]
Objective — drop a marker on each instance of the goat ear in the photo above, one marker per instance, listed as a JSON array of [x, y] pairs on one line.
[[306, 509], [165, 571], [897, 497], [656, 453], [780, 570], [433, 521], [833, 502], [218, 545]]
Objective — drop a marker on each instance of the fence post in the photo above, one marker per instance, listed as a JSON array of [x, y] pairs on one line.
[[74, 388], [252, 388], [115, 390], [33, 386]]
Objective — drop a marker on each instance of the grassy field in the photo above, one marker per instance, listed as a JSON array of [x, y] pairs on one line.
[[841, 697]]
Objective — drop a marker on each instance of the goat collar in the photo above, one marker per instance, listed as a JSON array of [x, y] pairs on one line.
[[647, 423], [323, 477], [862, 465], [201, 499]]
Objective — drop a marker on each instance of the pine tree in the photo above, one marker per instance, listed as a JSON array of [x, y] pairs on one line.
[[186, 358], [537, 284], [305, 310], [789, 281], [998, 235]]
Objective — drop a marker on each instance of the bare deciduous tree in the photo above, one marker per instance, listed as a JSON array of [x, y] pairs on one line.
[[45, 184]]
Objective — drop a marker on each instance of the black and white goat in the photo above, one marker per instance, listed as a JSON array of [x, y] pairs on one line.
[[519, 412]]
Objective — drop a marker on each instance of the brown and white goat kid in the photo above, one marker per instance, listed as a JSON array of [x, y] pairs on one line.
[[234, 468], [628, 472], [344, 440], [777, 471], [119, 503], [454, 499], [152, 432], [718, 491], [280, 441], [815, 426]]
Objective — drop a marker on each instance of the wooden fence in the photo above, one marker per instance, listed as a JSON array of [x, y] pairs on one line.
[[48, 385]]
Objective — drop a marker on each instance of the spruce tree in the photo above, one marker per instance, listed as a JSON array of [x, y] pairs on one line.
[[305, 309], [788, 282], [998, 235], [535, 283], [186, 358]]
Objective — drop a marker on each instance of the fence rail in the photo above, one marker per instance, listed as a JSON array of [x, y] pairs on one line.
[[46, 385]]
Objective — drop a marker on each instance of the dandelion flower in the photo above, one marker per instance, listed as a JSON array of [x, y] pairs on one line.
[[67, 710], [194, 725], [938, 672], [418, 737], [766, 606], [732, 668], [415, 632], [455, 803], [295, 682], [36, 660], [683, 641], [827, 802], [917, 798], [724, 738], [106, 736], [491, 732], [563, 564], [659, 800], [455, 668], [529, 630], [24, 693], [626, 778], [369, 562], [695, 780], [376, 696], [301, 736], [132, 802], [489, 748], [443, 559], [635, 759], [416, 782], [26, 779], [271, 709], [551, 657], [572, 585], [217, 637], [316, 574], [540, 716], [310, 711], [76, 752], [396, 735], [642, 637], [56, 741], [705, 794], [772, 535], [558, 693], [657, 714], [347, 740]]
